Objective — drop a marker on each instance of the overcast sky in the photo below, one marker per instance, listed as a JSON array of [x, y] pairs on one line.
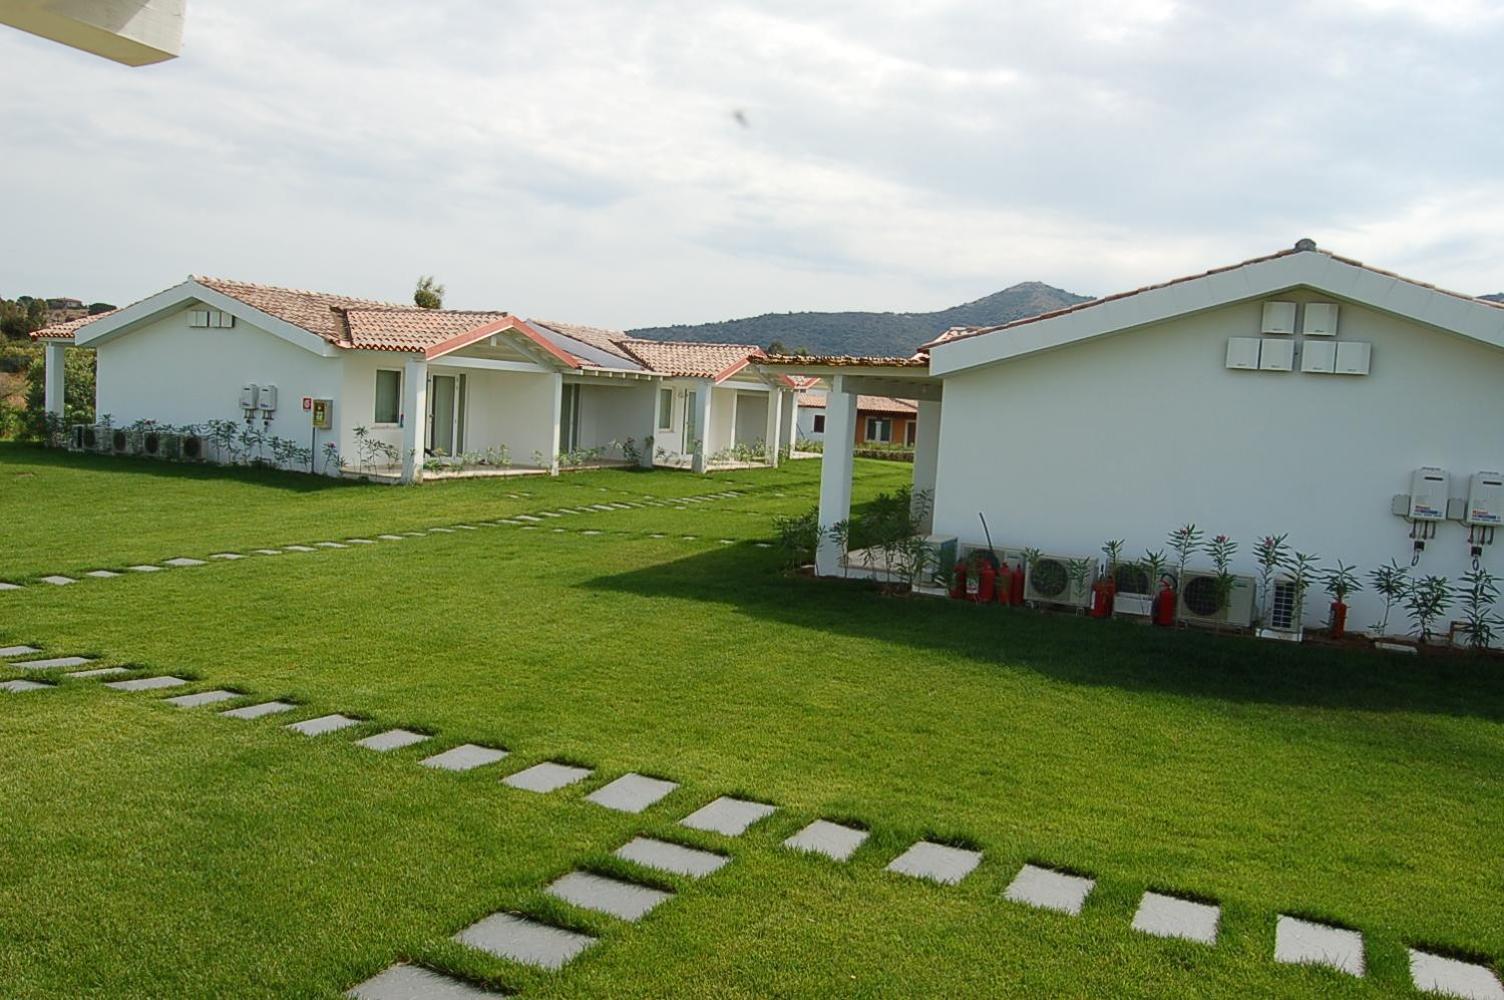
[[583, 160]]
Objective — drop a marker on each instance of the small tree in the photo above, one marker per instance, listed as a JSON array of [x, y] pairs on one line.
[[1341, 581], [1156, 566], [1077, 571], [840, 536], [798, 536], [1391, 581], [1221, 549], [1113, 550], [1479, 593], [1302, 575], [429, 294], [1272, 554], [1183, 541], [1426, 600]]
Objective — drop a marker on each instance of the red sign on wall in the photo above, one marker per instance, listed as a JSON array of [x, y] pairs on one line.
[[307, 402]]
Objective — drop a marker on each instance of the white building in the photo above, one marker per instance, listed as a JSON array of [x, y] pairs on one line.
[[1291, 394], [133, 32], [407, 387]]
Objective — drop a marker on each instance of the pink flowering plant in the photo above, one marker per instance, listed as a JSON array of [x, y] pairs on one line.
[[1220, 550]]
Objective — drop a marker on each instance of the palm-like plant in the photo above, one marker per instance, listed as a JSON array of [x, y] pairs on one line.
[[429, 294]]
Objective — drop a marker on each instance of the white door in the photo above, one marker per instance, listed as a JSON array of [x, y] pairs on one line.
[[443, 403]]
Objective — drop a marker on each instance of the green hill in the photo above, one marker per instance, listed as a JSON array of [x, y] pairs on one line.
[[869, 333]]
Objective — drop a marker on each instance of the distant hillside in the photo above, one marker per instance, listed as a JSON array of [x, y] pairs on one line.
[[868, 332], [1495, 297]]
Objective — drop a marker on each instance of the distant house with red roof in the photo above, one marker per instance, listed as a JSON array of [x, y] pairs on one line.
[[881, 421]]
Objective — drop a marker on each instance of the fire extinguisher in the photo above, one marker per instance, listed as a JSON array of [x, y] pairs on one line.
[[1339, 620], [986, 583], [1102, 594], [1016, 598], [1005, 585], [958, 583], [1164, 605]]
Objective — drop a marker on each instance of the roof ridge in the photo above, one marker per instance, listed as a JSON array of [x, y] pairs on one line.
[[691, 343], [259, 286]]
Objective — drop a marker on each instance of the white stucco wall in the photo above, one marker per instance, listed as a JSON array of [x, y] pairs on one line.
[[722, 420], [614, 411], [356, 406], [1131, 435], [806, 423], [507, 408], [751, 417]]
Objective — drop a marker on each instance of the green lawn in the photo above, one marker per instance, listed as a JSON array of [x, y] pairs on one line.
[[152, 852]]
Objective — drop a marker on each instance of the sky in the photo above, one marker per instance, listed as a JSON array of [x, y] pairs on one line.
[[671, 161]]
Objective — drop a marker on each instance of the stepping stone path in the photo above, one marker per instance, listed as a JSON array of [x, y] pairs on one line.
[[53, 663], [101, 574], [9, 586], [408, 982], [521, 940], [1048, 889], [359, 541], [259, 710], [390, 538], [614, 898], [323, 724], [546, 777], [728, 816], [299, 548], [145, 568], [1170, 917], [672, 858], [631, 793], [1300, 942], [59, 581], [84, 675], [18, 686], [833, 840], [268, 552], [465, 757], [8, 651], [182, 561], [202, 698], [392, 739], [146, 683], [1452, 977], [448, 531], [330, 545], [936, 862], [228, 556]]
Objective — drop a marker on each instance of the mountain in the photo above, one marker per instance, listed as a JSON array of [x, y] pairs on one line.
[[1495, 297], [869, 333]]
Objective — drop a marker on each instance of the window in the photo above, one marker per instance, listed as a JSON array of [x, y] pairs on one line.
[[910, 433], [691, 406], [388, 396], [665, 409], [819, 423], [879, 429], [569, 419]]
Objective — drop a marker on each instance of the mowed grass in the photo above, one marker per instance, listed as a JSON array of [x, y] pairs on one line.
[[157, 852]]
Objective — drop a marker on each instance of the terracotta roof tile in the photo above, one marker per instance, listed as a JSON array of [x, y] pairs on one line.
[[311, 311], [864, 403], [842, 361], [65, 331], [410, 329], [606, 340], [690, 360]]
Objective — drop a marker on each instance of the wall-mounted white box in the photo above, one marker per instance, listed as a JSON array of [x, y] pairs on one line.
[[1277, 355], [1320, 319], [1353, 357], [1430, 488], [198, 317], [1243, 353], [1318, 356], [1485, 499], [1279, 317], [248, 396], [266, 398]]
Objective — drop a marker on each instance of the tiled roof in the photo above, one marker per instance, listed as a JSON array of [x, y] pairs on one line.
[[311, 311], [691, 360], [842, 361], [609, 341], [65, 331], [864, 403], [409, 329]]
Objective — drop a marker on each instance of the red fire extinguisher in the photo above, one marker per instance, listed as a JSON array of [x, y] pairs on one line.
[[1339, 620], [1005, 585], [1016, 597], [1164, 605], [1102, 594], [958, 582], [986, 583]]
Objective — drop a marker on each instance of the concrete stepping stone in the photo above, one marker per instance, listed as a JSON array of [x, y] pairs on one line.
[[18, 686], [1453, 977], [936, 862], [527, 941], [508, 520], [9, 651], [625, 900], [323, 724], [268, 552], [258, 710], [298, 548], [1301, 942], [688, 538], [548, 513], [9, 586], [412, 534], [53, 663], [672, 858], [1171, 917], [467, 527], [763, 545], [199, 698], [330, 545], [392, 739], [590, 531], [465, 757], [227, 556], [83, 675], [833, 840], [659, 536], [58, 581], [101, 574], [527, 517], [390, 538], [182, 561], [546, 777], [1048, 889], [727, 541], [728, 816], [146, 683], [410, 982], [360, 541], [631, 793], [145, 568]]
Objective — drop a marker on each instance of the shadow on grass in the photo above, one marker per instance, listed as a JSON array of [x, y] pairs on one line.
[[294, 482], [1079, 650]]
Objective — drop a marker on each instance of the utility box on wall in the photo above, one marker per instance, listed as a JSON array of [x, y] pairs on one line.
[[323, 414], [1485, 500], [1429, 488], [266, 398]]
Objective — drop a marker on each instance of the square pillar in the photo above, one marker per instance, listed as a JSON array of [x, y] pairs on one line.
[[53, 376], [555, 422], [699, 457], [414, 418], [927, 457], [773, 439], [649, 425], [790, 419], [835, 473]]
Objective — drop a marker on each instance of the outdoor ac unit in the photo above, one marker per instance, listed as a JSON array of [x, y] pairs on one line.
[[97, 438], [1048, 581], [120, 441], [1282, 617], [159, 444], [81, 438], [1135, 591], [191, 448], [1199, 601]]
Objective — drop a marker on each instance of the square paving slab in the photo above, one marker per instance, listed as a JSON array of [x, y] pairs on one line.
[[1170, 917], [1454, 978], [527, 941], [330, 545], [6, 651], [392, 739], [936, 862], [464, 757], [146, 683], [728, 816], [298, 548], [145, 568], [409, 982], [227, 555], [360, 541], [258, 710], [607, 895], [183, 561], [631, 793], [1300, 942], [546, 777], [672, 858], [84, 675], [18, 686], [58, 581], [443, 531], [202, 698], [101, 574], [390, 538], [268, 552], [323, 724], [830, 839], [53, 663], [1050, 890], [9, 586]]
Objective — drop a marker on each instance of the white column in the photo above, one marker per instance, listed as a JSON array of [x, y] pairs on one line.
[[556, 418], [835, 473], [790, 419], [414, 418], [701, 444], [773, 438], [53, 376], [927, 457], [649, 425]]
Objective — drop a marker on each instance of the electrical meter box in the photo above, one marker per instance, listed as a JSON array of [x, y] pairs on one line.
[[266, 398], [248, 396], [1428, 494], [1485, 499], [1279, 317], [323, 414]]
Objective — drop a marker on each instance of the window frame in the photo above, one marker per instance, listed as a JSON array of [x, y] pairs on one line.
[[396, 420], [665, 409], [817, 426], [873, 423]]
